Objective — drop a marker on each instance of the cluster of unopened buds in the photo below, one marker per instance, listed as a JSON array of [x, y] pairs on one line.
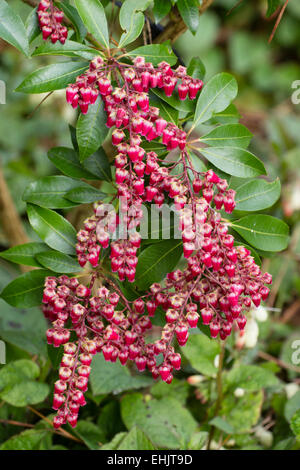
[[220, 282], [50, 21]]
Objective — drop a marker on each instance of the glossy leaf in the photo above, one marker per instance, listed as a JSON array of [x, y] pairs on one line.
[[196, 68], [228, 135], [263, 232], [32, 26], [189, 11], [67, 161], [24, 254], [72, 14], [50, 191], [70, 49], [216, 95], [91, 130], [185, 106], [51, 227], [98, 164], [85, 195], [234, 161], [26, 440], [161, 9], [156, 261], [93, 16], [52, 77], [26, 290], [12, 29], [58, 262], [155, 53], [257, 195]]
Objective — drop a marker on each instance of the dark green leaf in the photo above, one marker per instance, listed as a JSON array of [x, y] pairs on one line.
[[52, 77], [196, 68], [175, 102], [24, 254], [26, 290], [12, 28], [161, 9], [234, 161], [272, 7], [51, 227], [58, 262], [98, 164], [67, 161], [32, 25], [85, 195], [91, 130], [155, 53], [50, 191], [263, 232], [189, 11], [216, 95], [93, 16], [27, 440], [156, 261], [257, 195], [75, 19]]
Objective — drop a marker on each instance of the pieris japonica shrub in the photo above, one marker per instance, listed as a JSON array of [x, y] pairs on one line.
[[100, 290]]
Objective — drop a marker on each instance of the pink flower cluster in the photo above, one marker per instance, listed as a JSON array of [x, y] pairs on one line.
[[50, 19]]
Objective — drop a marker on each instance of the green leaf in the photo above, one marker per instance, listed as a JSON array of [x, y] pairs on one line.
[[165, 422], [52, 77], [58, 262], [155, 53], [17, 372], [93, 16], [98, 164], [161, 9], [24, 328], [196, 68], [25, 393], [135, 440], [230, 115], [250, 377], [75, 19], [204, 361], [27, 440], [222, 424], [291, 406], [295, 424], [66, 160], [12, 29], [228, 135], [165, 110], [51, 227], [107, 377], [24, 254], [272, 7], [50, 191], [242, 413], [26, 290], [234, 161], [257, 195], [216, 95], [156, 261], [85, 195], [263, 232], [132, 20], [32, 26], [91, 130], [91, 435], [69, 49], [189, 11]]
